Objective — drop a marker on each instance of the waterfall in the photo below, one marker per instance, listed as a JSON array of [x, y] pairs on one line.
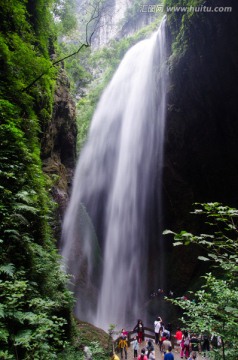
[[107, 227]]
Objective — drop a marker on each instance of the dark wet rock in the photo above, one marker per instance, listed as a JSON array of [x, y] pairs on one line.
[[59, 146]]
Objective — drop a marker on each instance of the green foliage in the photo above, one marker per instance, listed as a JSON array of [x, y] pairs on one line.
[[28, 322], [78, 76], [34, 301], [65, 14], [24, 46], [183, 24], [35, 310], [96, 350], [214, 308]]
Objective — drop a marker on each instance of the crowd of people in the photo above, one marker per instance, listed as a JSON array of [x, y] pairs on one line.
[[188, 345], [192, 344]]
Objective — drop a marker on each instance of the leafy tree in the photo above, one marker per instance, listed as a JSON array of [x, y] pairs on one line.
[[214, 307], [65, 16]]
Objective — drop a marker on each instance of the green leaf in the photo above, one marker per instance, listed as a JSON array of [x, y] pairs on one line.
[[166, 232], [2, 312], [8, 269], [23, 337], [203, 258], [177, 243], [4, 334], [231, 310]]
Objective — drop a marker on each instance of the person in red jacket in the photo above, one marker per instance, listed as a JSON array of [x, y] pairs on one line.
[[178, 336]]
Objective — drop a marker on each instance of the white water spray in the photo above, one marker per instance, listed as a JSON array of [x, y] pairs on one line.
[[117, 177]]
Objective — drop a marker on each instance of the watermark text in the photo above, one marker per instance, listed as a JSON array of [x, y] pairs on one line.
[[184, 9]]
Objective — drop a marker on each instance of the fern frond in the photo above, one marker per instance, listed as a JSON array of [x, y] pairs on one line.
[[25, 208], [13, 233], [8, 269], [26, 196], [20, 217]]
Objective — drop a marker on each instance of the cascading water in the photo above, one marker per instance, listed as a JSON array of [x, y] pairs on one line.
[[117, 181]]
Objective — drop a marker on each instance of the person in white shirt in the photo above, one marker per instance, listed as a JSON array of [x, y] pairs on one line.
[[157, 326]]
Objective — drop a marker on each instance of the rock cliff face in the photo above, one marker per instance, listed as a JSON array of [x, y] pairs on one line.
[[120, 19], [59, 146], [109, 26], [201, 158]]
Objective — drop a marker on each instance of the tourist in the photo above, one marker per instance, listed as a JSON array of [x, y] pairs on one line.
[[150, 348], [193, 355], [142, 356], [215, 341], [135, 346], [178, 336], [123, 346], [167, 333], [113, 356], [124, 332], [152, 355], [194, 343], [139, 328], [166, 344], [161, 338], [205, 344], [169, 355], [169, 328], [185, 345], [157, 326]]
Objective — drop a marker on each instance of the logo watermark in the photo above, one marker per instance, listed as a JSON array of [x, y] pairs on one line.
[[184, 9]]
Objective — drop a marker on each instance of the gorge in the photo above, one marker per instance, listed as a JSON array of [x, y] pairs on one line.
[[144, 166]]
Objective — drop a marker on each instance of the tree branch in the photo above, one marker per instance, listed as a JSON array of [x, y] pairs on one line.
[[96, 15]]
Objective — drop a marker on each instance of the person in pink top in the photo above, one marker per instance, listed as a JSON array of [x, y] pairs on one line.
[[124, 332], [142, 356]]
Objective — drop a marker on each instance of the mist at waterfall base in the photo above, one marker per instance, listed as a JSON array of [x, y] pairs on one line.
[[111, 241]]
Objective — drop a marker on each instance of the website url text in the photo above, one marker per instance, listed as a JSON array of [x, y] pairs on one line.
[[184, 9]]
